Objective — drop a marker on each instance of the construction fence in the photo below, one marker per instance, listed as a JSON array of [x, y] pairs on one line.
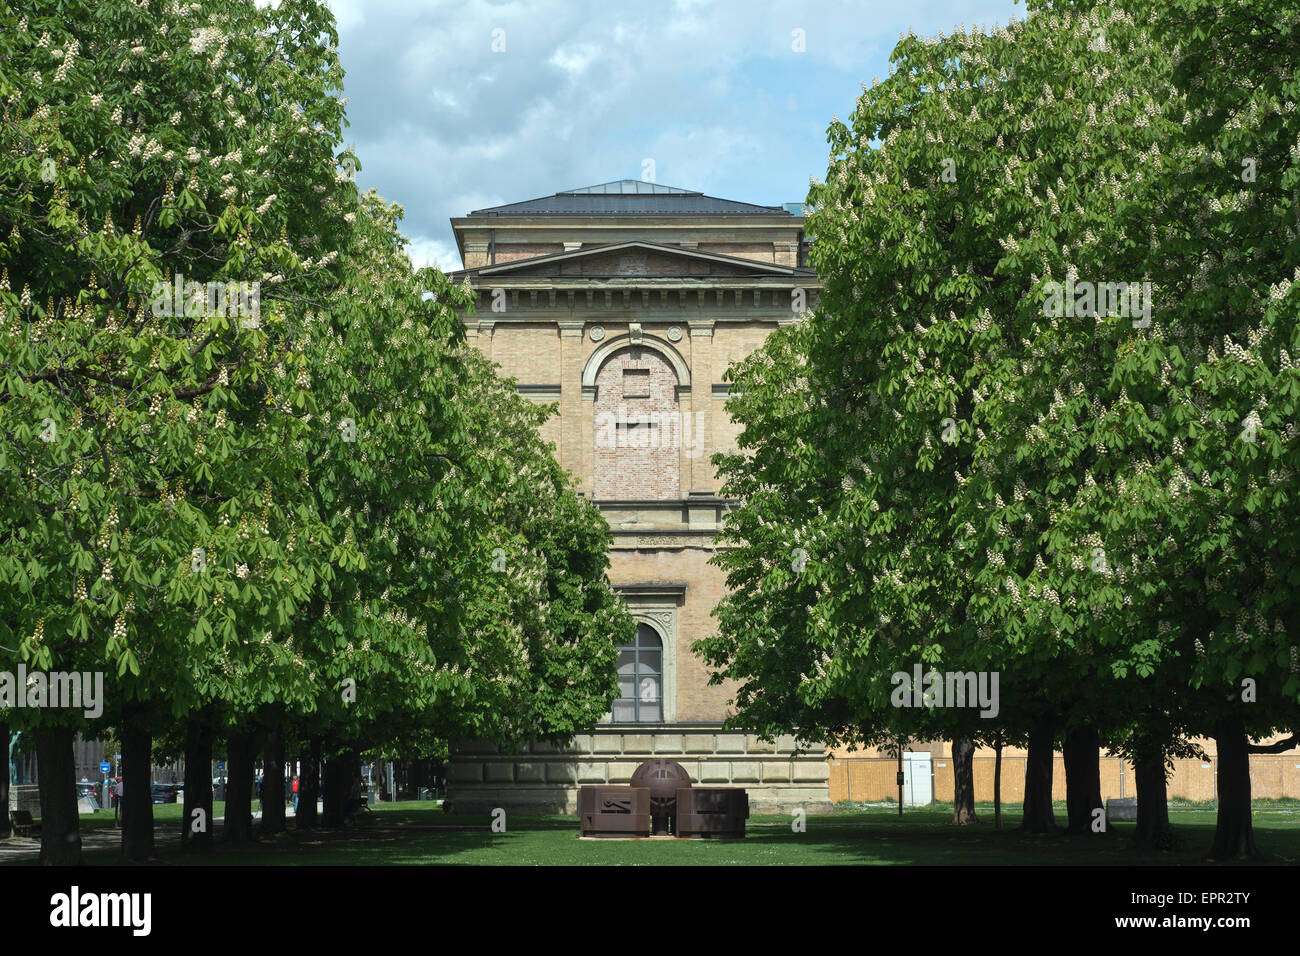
[[874, 779]]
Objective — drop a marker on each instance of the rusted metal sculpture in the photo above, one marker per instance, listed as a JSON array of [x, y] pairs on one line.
[[661, 800], [712, 812], [614, 811], [665, 778]]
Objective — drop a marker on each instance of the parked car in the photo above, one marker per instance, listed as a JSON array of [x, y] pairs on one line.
[[165, 792]]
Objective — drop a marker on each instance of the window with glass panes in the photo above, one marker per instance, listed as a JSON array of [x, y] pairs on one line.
[[640, 678]]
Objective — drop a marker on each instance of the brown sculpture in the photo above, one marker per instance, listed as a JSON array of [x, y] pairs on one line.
[[664, 778]]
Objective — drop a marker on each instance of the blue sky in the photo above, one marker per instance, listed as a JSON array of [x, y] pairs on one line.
[[584, 91]]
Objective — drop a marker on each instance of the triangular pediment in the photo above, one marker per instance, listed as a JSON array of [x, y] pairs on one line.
[[634, 258]]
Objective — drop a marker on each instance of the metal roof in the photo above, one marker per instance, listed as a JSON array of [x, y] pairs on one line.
[[625, 186], [630, 197]]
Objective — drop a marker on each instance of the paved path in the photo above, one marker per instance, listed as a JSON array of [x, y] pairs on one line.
[[100, 838]]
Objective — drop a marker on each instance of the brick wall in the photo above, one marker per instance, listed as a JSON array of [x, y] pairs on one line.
[[513, 252], [758, 251], [636, 418], [705, 586], [528, 353], [734, 342]]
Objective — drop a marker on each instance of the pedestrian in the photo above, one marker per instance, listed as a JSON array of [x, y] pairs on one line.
[[117, 800], [295, 794]]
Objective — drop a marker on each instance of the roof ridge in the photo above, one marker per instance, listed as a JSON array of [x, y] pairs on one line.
[[639, 187]]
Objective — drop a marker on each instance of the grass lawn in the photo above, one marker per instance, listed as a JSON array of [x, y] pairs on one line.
[[418, 832], [165, 816]]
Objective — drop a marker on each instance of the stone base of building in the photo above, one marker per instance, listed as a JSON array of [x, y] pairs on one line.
[[25, 796], [544, 778]]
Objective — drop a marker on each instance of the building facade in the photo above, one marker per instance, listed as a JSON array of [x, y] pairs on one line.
[[625, 303]]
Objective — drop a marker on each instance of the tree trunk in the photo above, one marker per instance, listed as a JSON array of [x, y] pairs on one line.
[[4, 785], [137, 786], [196, 822], [1038, 817], [1234, 837], [60, 826], [963, 772], [1152, 797], [335, 790], [273, 783], [997, 783], [309, 786], [240, 759], [1082, 751], [419, 776]]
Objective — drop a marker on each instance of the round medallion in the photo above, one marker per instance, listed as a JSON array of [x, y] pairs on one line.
[[675, 334], [597, 333]]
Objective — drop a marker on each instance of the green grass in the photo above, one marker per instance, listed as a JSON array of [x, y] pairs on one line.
[[419, 833], [165, 816]]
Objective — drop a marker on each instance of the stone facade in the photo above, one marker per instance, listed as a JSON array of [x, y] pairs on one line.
[[624, 304], [544, 779]]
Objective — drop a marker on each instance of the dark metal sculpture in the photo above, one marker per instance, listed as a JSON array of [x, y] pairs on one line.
[[661, 799], [711, 812], [665, 779], [614, 811]]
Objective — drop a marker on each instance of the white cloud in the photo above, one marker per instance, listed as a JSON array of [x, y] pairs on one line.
[[433, 252], [586, 90], [348, 14], [575, 58], [445, 98]]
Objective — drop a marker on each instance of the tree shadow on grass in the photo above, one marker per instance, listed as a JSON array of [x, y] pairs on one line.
[[418, 836], [881, 840]]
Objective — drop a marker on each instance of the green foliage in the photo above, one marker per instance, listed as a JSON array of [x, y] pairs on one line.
[[256, 509], [981, 484]]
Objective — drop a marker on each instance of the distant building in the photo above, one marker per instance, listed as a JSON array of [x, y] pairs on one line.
[[625, 303]]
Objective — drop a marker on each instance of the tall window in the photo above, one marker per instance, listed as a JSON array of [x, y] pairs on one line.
[[640, 678]]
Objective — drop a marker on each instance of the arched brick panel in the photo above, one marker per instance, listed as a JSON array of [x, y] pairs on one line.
[[638, 427]]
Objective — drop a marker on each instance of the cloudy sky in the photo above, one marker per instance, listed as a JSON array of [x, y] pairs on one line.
[[470, 103]]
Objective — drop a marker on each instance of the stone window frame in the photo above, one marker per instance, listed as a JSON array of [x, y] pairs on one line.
[[657, 606]]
